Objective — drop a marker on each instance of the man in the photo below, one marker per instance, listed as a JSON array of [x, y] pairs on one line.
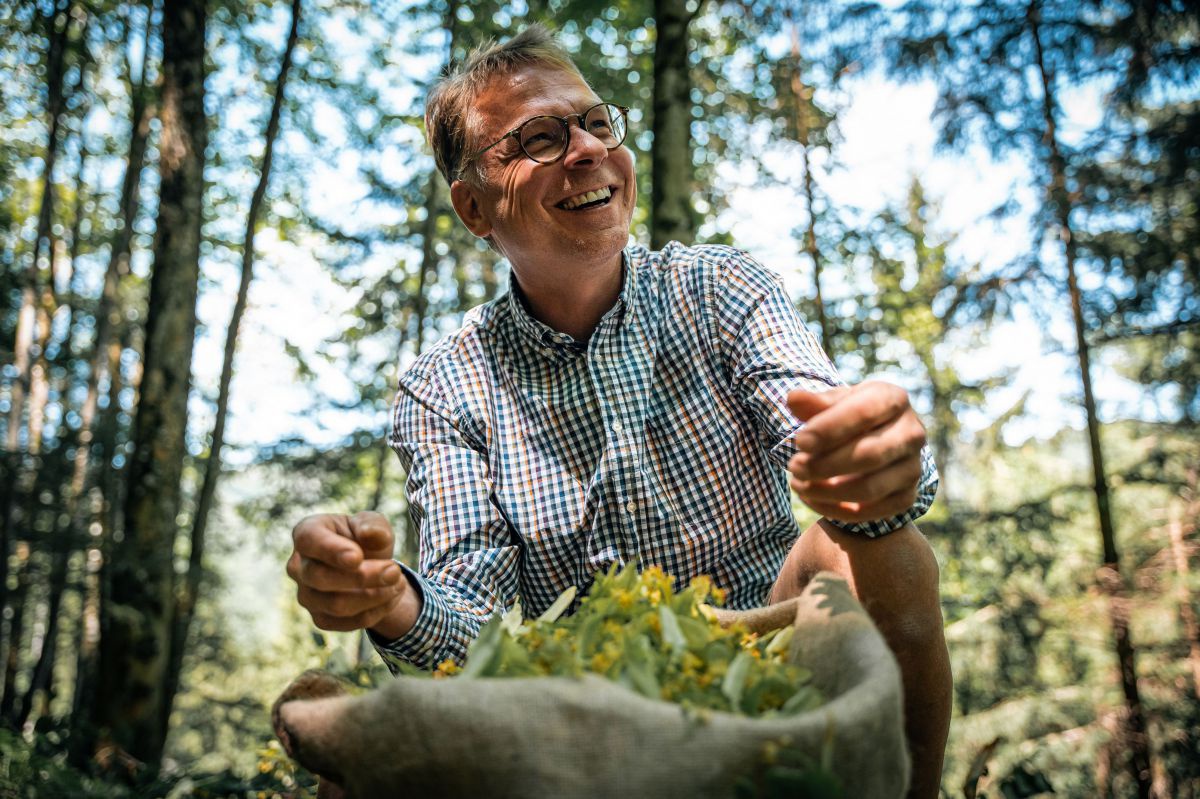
[[619, 403]]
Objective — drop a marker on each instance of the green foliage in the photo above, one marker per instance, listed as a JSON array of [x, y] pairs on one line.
[[635, 630]]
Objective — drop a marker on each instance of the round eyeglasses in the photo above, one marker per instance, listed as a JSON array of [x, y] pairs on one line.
[[545, 138]]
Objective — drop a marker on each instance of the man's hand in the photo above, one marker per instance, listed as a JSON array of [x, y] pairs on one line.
[[860, 451], [346, 577]]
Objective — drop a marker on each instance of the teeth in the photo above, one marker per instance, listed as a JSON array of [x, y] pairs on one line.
[[587, 197]]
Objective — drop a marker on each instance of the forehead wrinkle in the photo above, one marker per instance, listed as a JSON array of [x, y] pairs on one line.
[[516, 83]]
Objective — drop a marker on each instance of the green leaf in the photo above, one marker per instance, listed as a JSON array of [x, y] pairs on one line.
[[483, 649], [735, 680], [639, 667], [671, 632], [560, 605], [803, 700], [780, 640], [511, 621], [696, 631]]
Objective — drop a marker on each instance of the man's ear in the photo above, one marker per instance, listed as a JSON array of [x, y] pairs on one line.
[[468, 205]]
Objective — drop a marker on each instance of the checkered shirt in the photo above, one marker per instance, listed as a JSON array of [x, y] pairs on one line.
[[535, 460]]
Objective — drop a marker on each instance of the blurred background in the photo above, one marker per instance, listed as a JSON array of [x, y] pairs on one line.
[[222, 236]]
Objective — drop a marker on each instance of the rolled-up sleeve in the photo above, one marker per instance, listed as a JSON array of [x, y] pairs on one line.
[[770, 352], [469, 557]]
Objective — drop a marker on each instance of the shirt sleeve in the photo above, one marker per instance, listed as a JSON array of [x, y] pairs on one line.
[[770, 352], [469, 559]]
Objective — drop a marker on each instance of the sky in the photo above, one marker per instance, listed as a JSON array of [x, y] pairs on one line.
[[886, 139]]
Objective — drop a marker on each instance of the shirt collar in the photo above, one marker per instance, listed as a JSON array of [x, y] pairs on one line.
[[551, 342]]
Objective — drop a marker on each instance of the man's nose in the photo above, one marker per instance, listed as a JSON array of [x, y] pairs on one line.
[[583, 149]]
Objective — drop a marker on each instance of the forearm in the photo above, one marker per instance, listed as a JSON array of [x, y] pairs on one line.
[[895, 577]]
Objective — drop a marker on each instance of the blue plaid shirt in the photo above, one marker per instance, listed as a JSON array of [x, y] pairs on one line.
[[535, 460]]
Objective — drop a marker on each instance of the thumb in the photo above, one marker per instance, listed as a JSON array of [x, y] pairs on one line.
[[373, 533], [804, 405]]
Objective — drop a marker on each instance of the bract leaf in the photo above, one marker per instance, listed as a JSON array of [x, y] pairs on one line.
[[671, 632], [559, 606], [735, 680], [483, 649]]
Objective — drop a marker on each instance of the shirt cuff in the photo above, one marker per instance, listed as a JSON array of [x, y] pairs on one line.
[[925, 495], [418, 646]]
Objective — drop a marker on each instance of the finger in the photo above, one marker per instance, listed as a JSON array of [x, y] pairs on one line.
[[866, 407], [369, 574], [325, 537], [373, 533], [806, 404], [892, 441], [854, 512], [345, 604], [862, 488], [293, 566], [361, 621]]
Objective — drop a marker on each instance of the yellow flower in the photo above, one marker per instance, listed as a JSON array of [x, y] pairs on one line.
[[447, 668]]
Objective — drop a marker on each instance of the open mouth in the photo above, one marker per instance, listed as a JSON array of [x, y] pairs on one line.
[[589, 199]]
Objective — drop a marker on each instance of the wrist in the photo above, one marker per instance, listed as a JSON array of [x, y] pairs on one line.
[[401, 615]]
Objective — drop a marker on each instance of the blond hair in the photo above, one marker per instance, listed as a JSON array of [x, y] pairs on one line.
[[449, 109]]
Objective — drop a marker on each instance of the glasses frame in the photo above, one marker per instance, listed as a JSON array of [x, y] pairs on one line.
[[566, 124]]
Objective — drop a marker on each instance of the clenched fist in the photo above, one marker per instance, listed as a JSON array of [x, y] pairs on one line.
[[860, 451], [346, 577]]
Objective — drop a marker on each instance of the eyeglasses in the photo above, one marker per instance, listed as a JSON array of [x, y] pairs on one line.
[[545, 138]]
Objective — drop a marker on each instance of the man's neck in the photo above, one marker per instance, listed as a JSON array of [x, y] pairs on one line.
[[574, 305]]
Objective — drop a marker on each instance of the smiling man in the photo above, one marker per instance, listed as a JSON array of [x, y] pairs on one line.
[[619, 404]]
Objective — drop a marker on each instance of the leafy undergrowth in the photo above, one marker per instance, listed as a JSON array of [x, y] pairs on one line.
[[38, 769]]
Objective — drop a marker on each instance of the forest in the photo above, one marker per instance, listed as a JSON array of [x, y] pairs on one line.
[[222, 238]]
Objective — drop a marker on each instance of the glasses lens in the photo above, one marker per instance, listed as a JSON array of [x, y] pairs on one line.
[[607, 123], [543, 138]]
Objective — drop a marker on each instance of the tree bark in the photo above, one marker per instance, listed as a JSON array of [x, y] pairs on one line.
[[16, 631], [58, 24], [108, 311], [135, 647], [95, 575], [672, 216], [185, 605], [803, 96], [1110, 572], [1187, 613]]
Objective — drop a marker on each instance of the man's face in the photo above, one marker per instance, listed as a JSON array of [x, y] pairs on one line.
[[520, 203]]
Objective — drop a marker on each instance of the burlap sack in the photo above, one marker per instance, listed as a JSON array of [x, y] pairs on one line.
[[561, 737]]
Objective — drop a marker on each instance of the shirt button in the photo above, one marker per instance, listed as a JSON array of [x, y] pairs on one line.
[[617, 426], [631, 506]]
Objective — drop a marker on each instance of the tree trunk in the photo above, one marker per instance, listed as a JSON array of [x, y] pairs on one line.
[[42, 677], [135, 647], [40, 692], [803, 96], [1187, 613], [95, 575], [672, 216], [16, 631], [186, 603], [57, 29], [108, 311], [58, 24], [1110, 573]]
